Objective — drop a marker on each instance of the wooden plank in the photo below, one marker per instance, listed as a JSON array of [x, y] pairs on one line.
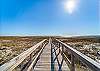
[[44, 63]]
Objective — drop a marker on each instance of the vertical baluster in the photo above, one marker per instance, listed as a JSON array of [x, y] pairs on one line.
[[59, 45], [72, 63], [31, 55], [52, 60], [21, 66]]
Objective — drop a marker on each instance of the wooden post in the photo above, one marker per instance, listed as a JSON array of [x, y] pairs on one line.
[[52, 56], [31, 55], [21, 66], [72, 63], [62, 48]]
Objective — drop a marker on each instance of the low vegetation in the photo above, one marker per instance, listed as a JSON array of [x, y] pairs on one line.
[[12, 46]]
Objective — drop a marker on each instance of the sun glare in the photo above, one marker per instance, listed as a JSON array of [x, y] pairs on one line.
[[70, 6]]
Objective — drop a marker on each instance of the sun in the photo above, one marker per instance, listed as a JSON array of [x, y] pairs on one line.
[[70, 6]]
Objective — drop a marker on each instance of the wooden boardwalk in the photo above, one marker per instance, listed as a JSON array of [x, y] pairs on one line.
[[44, 63], [49, 57]]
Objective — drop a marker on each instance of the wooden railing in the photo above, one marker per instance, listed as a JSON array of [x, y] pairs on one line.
[[31, 53], [64, 49]]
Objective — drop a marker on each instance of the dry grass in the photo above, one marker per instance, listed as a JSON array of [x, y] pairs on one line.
[[11, 46]]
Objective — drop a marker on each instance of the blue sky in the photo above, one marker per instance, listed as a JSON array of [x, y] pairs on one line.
[[48, 17]]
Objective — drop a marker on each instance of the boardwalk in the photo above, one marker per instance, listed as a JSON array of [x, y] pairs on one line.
[[49, 55], [44, 63]]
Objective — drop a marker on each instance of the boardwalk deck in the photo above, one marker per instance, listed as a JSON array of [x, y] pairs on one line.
[[44, 63]]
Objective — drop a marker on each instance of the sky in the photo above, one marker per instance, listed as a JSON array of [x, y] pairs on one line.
[[49, 17]]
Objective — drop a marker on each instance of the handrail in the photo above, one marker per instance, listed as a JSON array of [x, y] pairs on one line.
[[93, 65], [35, 59], [9, 66]]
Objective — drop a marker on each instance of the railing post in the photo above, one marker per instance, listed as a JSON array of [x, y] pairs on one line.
[[31, 55], [21, 66], [62, 48], [52, 59], [72, 63], [59, 47]]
